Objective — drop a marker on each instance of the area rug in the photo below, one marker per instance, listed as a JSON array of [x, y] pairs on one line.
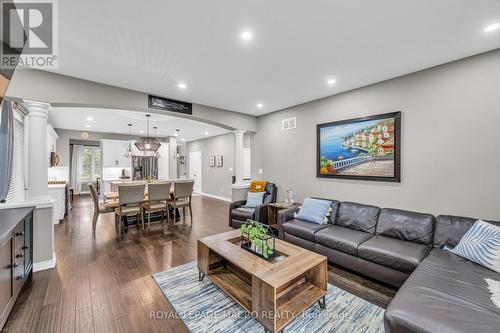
[[203, 307]]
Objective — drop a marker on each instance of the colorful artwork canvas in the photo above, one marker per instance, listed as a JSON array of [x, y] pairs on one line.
[[363, 148]]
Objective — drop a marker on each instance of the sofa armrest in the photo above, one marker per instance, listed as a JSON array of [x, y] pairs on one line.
[[286, 214], [234, 205], [261, 214], [237, 204]]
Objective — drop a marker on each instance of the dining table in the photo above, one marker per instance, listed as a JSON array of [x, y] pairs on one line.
[[111, 198], [112, 201]]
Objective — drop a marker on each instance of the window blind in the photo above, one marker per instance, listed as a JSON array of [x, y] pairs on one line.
[[16, 189]]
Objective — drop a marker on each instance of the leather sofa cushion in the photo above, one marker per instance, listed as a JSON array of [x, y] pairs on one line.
[[302, 229], [393, 253], [341, 239], [446, 293], [243, 213], [405, 225], [357, 216], [450, 229]]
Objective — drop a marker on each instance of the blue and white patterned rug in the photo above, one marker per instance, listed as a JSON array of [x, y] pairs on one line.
[[205, 308]]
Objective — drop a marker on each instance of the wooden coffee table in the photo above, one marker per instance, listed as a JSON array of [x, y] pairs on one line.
[[275, 292]]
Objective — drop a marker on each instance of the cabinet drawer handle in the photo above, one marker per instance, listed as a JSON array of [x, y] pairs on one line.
[[20, 255], [25, 247], [15, 265], [20, 233], [20, 277]]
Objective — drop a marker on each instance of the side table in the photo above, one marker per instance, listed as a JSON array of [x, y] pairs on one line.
[[274, 208]]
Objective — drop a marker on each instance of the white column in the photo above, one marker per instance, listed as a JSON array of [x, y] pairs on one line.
[[238, 155], [37, 149], [172, 151]]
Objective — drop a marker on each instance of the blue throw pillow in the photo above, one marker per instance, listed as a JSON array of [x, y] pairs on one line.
[[480, 244], [314, 210], [254, 199]]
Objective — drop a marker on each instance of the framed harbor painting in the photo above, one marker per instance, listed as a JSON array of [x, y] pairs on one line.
[[366, 148]]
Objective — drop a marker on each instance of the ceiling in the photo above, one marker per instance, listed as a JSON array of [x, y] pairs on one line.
[[116, 121], [297, 46]]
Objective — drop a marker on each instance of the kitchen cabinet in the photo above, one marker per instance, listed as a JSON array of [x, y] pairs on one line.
[[16, 256], [58, 193], [52, 138], [114, 154]]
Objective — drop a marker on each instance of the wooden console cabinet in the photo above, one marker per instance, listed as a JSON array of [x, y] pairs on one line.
[[16, 256]]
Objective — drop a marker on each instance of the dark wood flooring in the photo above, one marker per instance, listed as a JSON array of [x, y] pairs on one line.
[[103, 284]]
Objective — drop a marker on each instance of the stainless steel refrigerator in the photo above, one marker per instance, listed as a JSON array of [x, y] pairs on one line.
[[144, 167]]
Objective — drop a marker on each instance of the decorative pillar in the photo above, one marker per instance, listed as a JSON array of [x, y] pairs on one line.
[[37, 149], [172, 151], [238, 155]]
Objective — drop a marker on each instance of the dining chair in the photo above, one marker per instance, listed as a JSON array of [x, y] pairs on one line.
[[131, 198], [98, 208], [158, 195], [183, 193]]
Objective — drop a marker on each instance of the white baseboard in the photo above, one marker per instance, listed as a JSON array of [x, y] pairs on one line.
[[43, 265], [216, 197]]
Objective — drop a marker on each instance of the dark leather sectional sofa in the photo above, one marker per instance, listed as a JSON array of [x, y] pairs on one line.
[[438, 291]]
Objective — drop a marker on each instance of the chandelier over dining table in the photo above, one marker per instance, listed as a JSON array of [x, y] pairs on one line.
[[146, 143]]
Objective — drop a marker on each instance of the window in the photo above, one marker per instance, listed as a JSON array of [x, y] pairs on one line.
[[91, 163]]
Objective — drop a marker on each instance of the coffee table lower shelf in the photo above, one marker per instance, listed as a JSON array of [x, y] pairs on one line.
[[290, 302]]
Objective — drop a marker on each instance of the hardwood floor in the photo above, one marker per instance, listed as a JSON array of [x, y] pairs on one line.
[[104, 284]]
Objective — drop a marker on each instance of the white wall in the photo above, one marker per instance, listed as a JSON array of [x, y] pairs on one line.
[[216, 180], [450, 140]]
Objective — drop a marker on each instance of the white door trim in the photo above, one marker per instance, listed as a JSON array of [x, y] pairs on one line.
[[196, 155]]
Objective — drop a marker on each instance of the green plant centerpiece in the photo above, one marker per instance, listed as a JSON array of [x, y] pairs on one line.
[[258, 238]]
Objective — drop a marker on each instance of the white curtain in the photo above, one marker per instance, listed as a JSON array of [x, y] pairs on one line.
[[76, 168]]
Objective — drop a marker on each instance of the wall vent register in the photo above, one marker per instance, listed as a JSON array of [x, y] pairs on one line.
[[287, 124]]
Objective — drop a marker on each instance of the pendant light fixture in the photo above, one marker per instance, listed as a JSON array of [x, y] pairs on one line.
[[129, 152], [147, 144], [157, 153]]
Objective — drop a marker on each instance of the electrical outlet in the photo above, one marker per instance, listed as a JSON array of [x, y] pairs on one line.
[[261, 171], [221, 190]]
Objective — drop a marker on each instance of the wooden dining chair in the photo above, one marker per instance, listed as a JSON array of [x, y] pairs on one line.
[[158, 195], [98, 208], [131, 198], [183, 193]]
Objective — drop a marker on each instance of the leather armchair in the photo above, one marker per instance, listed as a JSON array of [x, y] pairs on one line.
[[238, 214]]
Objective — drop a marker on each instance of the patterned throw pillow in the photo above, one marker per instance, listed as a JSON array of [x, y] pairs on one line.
[[314, 210], [480, 244]]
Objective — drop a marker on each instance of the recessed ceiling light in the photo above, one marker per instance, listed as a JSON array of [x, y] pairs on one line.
[[90, 118], [260, 105], [331, 82], [182, 85], [176, 134], [88, 126], [246, 35], [206, 133], [492, 27], [182, 139]]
